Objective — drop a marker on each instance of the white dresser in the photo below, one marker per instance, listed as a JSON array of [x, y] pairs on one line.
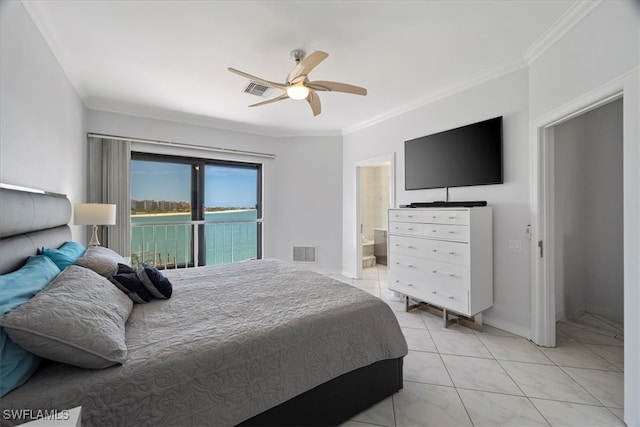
[[443, 257]]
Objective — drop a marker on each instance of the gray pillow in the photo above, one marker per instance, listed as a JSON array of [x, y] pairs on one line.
[[102, 260], [79, 319]]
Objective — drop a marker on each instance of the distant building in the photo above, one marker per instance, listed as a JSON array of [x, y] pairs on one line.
[[159, 205]]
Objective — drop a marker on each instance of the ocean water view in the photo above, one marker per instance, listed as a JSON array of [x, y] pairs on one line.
[[165, 240]]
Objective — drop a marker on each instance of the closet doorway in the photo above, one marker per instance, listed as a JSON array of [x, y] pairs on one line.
[[588, 223], [578, 270]]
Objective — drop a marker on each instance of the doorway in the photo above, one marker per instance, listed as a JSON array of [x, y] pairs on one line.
[[562, 201], [587, 220], [375, 194]]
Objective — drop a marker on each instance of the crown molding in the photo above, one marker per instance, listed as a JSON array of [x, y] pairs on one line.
[[183, 118], [39, 18], [576, 13], [459, 86]]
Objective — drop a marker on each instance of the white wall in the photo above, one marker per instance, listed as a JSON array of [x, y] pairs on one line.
[[598, 55], [505, 96], [308, 205], [588, 229], [605, 236], [301, 186], [42, 119], [570, 224]]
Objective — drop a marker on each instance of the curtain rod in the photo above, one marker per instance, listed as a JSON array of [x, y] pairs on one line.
[[181, 145]]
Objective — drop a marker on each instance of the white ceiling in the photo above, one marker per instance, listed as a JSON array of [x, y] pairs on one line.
[[169, 59]]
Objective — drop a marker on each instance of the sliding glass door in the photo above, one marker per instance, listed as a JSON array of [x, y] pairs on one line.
[[188, 212], [232, 232]]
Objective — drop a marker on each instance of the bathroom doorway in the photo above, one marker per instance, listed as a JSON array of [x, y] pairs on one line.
[[375, 195]]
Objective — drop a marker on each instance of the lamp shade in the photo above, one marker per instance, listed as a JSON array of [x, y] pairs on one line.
[[297, 92], [94, 214]]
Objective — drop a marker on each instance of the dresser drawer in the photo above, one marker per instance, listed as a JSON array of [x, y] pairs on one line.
[[457, 233], [451, 299], [406, 215], [458, 217], [419, 270], [406, 228], [450, 252], [436, 283]]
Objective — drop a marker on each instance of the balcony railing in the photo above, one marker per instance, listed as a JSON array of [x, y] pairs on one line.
[[177, 244]]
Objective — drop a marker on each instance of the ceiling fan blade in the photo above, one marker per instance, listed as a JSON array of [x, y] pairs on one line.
[[314, 101], [337, 87], [259, 80], [269, 101], [307, 64]]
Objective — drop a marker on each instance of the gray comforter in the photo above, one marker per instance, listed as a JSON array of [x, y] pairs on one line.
[[233, 341]]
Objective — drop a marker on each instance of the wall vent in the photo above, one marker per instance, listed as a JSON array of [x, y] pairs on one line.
[[304, 254], [257, 89]]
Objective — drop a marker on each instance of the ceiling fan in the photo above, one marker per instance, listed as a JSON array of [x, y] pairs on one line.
[[298, 85]]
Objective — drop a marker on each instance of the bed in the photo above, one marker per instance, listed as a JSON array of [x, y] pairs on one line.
[[255, 343]]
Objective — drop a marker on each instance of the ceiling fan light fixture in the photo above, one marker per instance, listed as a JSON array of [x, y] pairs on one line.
[[297, 92], [298, 86]]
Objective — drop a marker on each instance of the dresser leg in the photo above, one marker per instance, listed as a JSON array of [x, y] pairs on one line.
[[473, 322], [408, 306]]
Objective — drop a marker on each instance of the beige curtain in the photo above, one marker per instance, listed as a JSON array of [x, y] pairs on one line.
[[109, 182]]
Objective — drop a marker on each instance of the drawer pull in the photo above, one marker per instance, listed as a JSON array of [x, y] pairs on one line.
[[410, 247], [434, 217], [452, 232], [397, 281], [450, 296], [410, 284], [397, 244], [451, 275], [452, 217], [410, 265], [410, 228], [397, 228], [409, 216], [434, 250], [434, 292], [433, 231], [451, 253], [434, 271]]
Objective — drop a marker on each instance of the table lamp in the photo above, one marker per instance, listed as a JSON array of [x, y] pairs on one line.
[[94, 214]]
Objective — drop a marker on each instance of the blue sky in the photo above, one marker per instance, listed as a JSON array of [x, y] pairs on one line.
[[224, 185]]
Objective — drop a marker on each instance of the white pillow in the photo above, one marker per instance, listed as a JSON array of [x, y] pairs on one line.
[[79, 319], [102, 260]]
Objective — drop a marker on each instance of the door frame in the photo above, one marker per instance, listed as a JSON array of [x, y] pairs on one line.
[[389, 159], [542, 167]]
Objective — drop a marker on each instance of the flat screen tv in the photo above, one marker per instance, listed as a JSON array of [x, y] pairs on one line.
[[465, 156]]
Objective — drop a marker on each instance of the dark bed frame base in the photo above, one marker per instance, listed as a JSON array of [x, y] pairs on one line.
[[338, 400]]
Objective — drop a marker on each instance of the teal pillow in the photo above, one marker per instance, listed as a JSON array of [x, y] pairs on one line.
[[65, 255], [16, 364]]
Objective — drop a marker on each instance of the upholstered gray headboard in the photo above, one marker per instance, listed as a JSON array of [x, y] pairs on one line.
[[29, 221]]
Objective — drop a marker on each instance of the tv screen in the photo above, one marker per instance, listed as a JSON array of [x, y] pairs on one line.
[[468, 155]]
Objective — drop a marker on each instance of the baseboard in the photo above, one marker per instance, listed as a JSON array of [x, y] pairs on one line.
[[325, 271], [348, 274], [605, 313], [507, 326]]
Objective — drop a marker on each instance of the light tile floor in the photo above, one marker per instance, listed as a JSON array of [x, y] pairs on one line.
[[460, 377]]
